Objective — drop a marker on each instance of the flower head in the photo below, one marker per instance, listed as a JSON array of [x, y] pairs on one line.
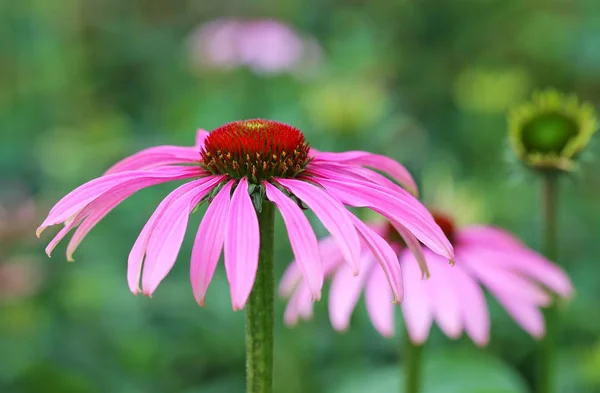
[[236, 168], [519, 278], [549, 132]]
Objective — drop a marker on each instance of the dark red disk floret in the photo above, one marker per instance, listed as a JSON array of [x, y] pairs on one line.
[[258, 149]]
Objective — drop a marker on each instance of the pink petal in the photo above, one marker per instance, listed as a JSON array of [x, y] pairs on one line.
[[396, 208], [104, 206], [375, 161], [385, 255], [344, 293], [414, 246], [331, 256], [365, 178], [88, 192], [302, 239], [136, 255], [527, 315], [379, 300], [201, 136], [506, 251], [417, 307], [168, 232], [155, 157], [490, 236], [501, 281], [209, 243], [290, 279], [299, 306], [351, 173], [95, 211], [444, 296], [332, 214], [475, 313], [242, 243], [538, 268]]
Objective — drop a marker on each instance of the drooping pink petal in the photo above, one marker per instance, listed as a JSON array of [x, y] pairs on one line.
[[417, 307], [501, 281], [414, 246], [526, 262], [444, 296], [96, 210], [365, 178], [538, 268], [475, 313], [527, 315], [209, 243], [332, 214], [379, 301], [104, 206], [385, 255], [155, 157], [491, 237], [291, 276], [345, 291], [375, 161], [396, 208], [168, 232], [136, 255], [242, 242], [300, 305], [349, 173], [331, 257], [302, 239], [77, 199]]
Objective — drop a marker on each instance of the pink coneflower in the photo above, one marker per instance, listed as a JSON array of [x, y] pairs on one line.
[[264, 46], [236, 167], [519, 278]]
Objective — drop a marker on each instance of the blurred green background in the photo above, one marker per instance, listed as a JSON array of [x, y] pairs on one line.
[[84, 83]]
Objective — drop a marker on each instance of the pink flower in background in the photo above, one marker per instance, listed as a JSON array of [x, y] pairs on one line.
[[265, 46], [19, 277], [234, 166], [520, 279], [16, 219]]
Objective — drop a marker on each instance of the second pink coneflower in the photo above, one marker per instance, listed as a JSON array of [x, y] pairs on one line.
[[520, 279]]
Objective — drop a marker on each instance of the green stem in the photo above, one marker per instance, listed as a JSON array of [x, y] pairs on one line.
[[259, 311], [412, 367], [547, 350]]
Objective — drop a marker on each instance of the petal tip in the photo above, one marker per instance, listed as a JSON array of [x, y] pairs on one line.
[[39, 231]]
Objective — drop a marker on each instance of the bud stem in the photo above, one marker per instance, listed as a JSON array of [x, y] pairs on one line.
[[547, 350], [259, 311]]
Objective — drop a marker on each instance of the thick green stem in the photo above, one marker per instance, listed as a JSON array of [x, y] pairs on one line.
[[546, 354], [412, 367], [259, 311]]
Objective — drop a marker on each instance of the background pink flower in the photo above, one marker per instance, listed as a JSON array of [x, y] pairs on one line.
[[265, 46], [521, 280]]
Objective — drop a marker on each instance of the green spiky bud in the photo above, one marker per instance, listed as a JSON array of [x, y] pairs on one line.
[[549, 132]]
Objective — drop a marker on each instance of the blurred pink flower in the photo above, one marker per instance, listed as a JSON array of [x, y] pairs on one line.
[[265, 46], [233, 166], [19, 277], [17, 219], [519, 278]]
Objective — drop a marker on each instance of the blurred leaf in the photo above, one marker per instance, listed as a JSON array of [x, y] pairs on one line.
[[444, 372]]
